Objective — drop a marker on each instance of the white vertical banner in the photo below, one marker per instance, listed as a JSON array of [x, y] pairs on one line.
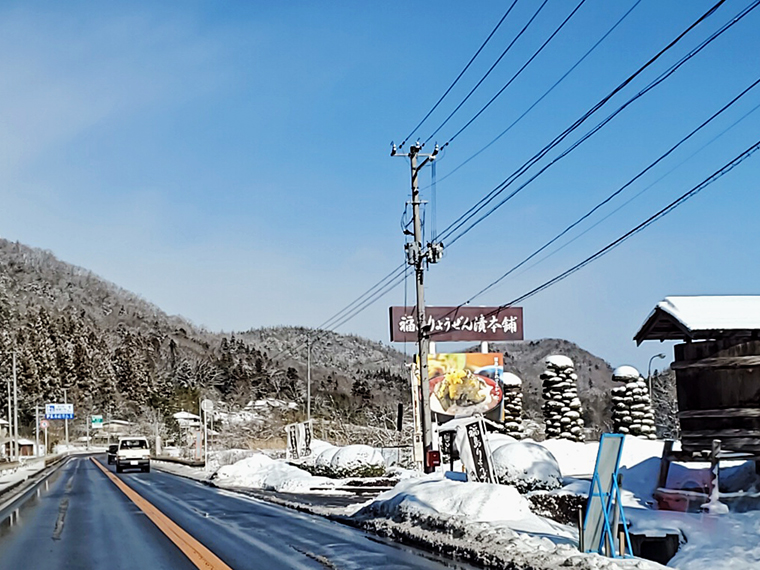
[[418, 450], [474, 451], [299, 440]]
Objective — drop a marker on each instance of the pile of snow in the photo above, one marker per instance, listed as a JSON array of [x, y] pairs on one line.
[[349, 461], [486, 524], [625, 372], [526, 466], [639, 465], [477, 502], [217, 459], [262, 472]]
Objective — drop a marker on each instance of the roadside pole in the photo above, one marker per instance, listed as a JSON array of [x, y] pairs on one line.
[[205, 440], [15, 408], [66, 423], [308, 378], [10, 420], [36, 430], [418, 257]]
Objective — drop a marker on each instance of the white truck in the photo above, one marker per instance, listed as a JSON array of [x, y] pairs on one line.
[[133, 453]]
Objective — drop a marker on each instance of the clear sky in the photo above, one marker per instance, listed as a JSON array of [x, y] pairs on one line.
[[229, 161]]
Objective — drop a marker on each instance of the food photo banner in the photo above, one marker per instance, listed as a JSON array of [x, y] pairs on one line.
[[458, 323], [464, 384]]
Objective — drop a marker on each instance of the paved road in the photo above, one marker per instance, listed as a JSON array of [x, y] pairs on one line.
[[78, 518]]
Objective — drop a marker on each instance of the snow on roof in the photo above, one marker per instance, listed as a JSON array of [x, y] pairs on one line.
[[186, 416], [701, 317], [702, 313]]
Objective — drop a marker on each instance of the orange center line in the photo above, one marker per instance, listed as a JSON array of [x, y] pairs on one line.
[[198, 554]]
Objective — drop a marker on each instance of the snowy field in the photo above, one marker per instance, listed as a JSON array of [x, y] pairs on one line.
[[494, 524]]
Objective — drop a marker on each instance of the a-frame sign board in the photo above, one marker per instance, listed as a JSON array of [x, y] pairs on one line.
[[604, 509]]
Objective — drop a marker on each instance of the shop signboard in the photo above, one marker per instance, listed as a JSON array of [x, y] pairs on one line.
[[443, 324]]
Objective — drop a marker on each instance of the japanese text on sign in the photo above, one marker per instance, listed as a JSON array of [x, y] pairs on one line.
[[59, 411], [458, 323]]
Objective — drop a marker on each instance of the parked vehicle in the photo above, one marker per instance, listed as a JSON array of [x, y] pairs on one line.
[[111, 454], [133, 453]]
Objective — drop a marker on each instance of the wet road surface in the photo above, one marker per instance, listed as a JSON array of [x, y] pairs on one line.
[[78, 518]]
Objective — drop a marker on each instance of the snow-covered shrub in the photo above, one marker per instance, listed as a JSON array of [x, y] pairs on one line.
[[527, 466], [322, 464], [357, 461], [496, 439], [262, 472]]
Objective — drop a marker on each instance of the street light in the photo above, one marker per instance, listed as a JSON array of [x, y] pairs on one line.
[[649, 372]]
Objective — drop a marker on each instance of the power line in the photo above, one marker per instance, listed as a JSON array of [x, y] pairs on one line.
[[337, 316], [643, 225], [714, 177], [643, 190], [618, 191], [466, 67], [480, 205], [391, 280], [546, 93], [482, 79], [379, 285], [519, 71]]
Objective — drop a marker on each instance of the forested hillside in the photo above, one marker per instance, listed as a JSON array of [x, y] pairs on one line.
[[119, 355], [116, 353]]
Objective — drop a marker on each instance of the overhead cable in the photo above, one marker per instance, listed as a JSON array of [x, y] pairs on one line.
[[461, 73], [482, 79], [643, 225], [546, 93], [519, 71], [618, 191], [483, 202]]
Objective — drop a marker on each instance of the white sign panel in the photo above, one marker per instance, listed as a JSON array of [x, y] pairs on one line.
[[97, 422], [474, 451], [600, 504], [59, 411], [299, 440]]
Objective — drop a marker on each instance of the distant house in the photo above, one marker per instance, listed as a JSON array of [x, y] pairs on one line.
[[25, 447], [717, 367]]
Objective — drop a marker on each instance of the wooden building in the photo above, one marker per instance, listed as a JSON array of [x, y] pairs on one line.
[[717, 368]]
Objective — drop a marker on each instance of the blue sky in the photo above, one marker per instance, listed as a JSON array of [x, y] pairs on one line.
[[229, 162]]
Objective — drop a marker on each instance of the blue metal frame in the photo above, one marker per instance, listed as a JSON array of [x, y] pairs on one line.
[[610, 501]]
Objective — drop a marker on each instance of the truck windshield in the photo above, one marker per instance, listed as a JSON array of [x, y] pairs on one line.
[[134, 444]]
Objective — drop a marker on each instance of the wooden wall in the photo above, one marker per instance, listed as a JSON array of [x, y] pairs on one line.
[[718, 385]]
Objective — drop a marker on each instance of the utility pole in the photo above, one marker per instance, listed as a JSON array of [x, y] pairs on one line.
[[10, 420], [308, 378], [36, 430], [418, 258], [15, 407]]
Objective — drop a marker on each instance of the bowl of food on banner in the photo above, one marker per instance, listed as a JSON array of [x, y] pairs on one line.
[[461, 393]]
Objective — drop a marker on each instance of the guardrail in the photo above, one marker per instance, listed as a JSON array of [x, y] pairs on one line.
[[179, 460]]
